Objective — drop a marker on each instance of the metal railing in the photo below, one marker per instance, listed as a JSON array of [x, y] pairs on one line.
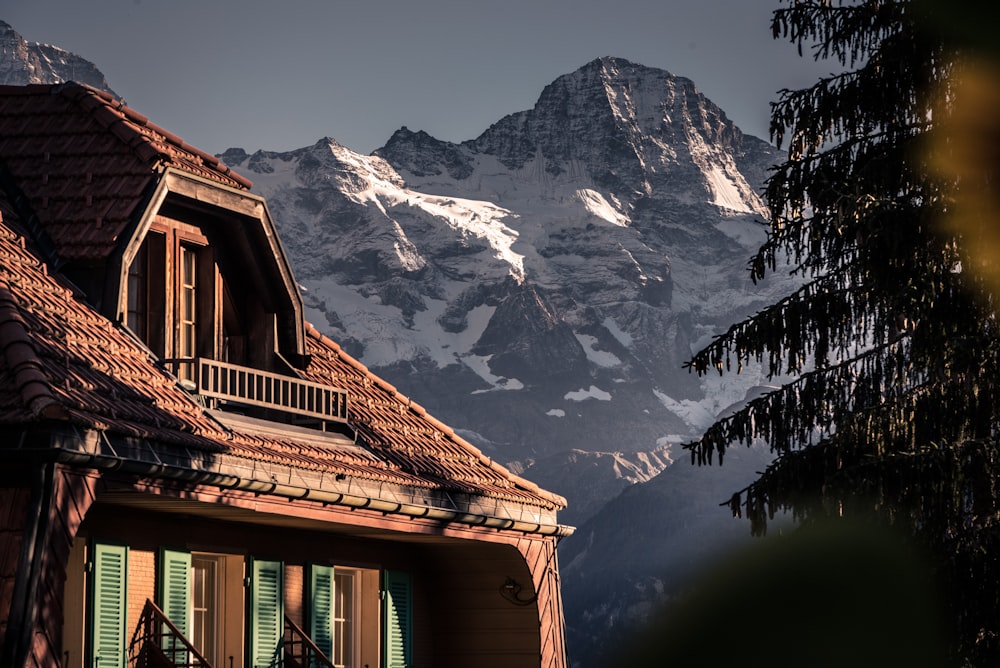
[[157, 643], [300, 650], [252, 387]]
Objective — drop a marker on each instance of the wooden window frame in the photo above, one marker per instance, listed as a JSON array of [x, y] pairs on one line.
[[156, 291]]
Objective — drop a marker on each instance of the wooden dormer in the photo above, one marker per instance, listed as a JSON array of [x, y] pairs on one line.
[[204, 275], [204, 282], [167, 241]]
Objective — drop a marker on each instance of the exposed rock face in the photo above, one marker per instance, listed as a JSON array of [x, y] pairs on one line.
[[24, 63], [539, 286]]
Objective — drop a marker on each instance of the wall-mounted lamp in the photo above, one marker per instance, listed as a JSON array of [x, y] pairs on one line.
[[511, 591]]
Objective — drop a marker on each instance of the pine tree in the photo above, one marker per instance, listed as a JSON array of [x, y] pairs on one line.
[[883, 208]]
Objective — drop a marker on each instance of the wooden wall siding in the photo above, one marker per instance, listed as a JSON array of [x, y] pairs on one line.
[[475, 625], [541, 557], [74, 494], [295, 593], [141, 584]]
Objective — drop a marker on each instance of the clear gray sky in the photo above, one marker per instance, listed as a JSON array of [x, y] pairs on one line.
[[281, 74]]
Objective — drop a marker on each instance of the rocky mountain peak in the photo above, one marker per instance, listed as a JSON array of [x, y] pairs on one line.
[[23, 62], [422, 155], [621, 129], [560, 267]]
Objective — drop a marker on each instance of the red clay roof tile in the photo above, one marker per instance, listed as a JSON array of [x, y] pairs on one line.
[[80, 156], [403, 432]]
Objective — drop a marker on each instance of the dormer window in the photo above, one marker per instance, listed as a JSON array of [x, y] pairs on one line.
[[147, 293], [138, 298], [214, 304], [187, 311], [171, 285]]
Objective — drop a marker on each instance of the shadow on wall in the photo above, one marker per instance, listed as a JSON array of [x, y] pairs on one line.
[[829, 595]]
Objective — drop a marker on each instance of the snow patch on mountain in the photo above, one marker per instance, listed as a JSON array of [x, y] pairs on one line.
[[596, 204], [600, 358], [593, 392], [729, 188], [409, 257], [694, 413], [481, 366], [726, 194], [622, 337], [477, 218]]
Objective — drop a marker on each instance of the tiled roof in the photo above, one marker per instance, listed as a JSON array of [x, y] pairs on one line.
[[61, 360], [405, 434], [84, 161]]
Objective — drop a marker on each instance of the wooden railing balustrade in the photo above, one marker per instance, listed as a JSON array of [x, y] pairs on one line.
[[242, 385]]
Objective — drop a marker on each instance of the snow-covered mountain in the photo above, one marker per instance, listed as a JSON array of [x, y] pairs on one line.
[[540, 287], [23, 62]]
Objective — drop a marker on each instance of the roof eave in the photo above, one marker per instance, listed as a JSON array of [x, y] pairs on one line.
[[93, 449]]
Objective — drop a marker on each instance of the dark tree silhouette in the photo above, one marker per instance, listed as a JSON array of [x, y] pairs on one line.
[[883, 208]]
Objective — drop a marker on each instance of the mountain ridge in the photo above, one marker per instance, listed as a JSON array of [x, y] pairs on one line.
[[33, 63], [528, 272]]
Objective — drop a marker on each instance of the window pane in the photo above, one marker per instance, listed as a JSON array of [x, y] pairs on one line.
[[188, 302], [344, 626], [137, 281], [204, 605]]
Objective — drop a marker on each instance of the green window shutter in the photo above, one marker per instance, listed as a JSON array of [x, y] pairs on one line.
[[267, 613], [321, 607], [174, 588], [108, 606], [397, 620]]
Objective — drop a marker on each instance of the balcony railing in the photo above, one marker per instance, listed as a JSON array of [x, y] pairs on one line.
[[157, 643], [300, 650], [252, 387]]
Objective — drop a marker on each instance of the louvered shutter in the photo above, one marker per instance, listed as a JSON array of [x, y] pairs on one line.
[[108, 605], [397, 620], [321, 607], [267, 613], [174, 590]]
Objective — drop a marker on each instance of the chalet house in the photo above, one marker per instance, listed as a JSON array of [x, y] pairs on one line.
[[192, 475]]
